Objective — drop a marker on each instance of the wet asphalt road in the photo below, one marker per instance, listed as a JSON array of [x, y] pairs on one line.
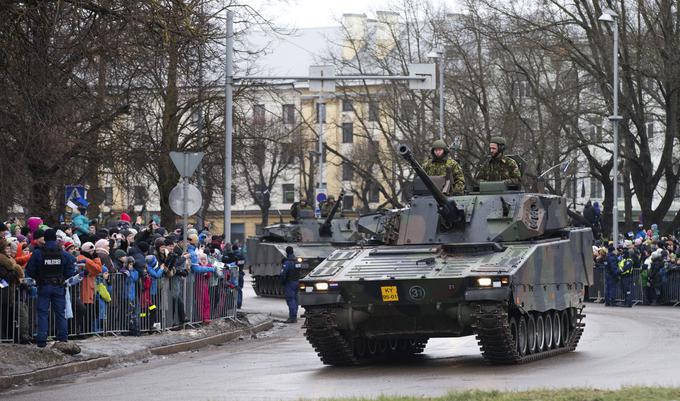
[[620, 347]]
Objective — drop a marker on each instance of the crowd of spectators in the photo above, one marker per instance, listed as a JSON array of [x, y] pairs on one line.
[[139, 253], [655, 255]]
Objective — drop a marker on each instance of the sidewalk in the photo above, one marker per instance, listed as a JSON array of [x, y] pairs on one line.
[[27, 363]]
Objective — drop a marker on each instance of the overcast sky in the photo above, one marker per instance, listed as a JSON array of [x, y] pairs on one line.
[[320, 13]]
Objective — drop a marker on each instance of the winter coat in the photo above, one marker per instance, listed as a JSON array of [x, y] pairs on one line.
[[93, 267], [10, 271], [20, 258], [81, 223]]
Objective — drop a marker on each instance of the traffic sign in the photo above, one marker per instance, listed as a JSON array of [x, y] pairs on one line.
[[73, 192], [194, 199], [320, 197], [186, 162]]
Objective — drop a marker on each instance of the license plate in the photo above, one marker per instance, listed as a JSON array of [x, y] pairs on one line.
[[298, 265], [389, 294]]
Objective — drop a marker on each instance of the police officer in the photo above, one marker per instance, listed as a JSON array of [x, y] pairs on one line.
[[50, 266], [499, 167], [290, 277], [611, 277], [440, 163], [626, 273]]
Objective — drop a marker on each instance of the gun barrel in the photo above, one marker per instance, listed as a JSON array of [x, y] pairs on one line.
[[406, 153], [333, 211]]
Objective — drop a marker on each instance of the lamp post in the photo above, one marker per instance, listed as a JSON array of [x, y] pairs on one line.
[[610, 17], [438, 55]]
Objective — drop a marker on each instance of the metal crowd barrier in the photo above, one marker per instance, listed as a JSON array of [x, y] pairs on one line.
[[146, 305], [670, 288]]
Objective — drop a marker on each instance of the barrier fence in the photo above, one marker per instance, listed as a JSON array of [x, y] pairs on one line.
[[126, 307], [669, 290]]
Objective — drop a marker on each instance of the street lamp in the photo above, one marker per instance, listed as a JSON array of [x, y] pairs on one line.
[[438, 55], [610, 17]]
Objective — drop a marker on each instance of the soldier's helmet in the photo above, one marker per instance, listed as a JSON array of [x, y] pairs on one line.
[[331, 198], [439, 144], [500, 141]]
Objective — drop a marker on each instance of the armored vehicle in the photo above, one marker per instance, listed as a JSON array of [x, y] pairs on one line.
[[312, 240], [498, 263]]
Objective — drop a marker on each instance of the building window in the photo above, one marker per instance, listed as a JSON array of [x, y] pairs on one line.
[[374, 193], [373, 110], [108, 196], [347, 105], [258, 114], [521, 90], [650, 130], [140, 195], [288, 152], [322, 108], [347, 133], [347, 202], [595, 188], [408, 108], [289, 114], [347, 171], [288, 191]]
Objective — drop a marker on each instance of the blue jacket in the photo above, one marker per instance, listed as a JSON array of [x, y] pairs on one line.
[[36, 261], [288, 270], [156, 273], [612, 267], [195, 267], [131, 281]]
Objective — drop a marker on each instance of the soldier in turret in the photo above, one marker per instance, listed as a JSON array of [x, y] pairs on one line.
[[327, 206], [440, 163], [297, 207], [499, 167]]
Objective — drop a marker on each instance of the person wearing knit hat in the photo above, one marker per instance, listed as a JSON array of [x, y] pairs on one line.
[[50, 266], [125, 217], [102, 249]]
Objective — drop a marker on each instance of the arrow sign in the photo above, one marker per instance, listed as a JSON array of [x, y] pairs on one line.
[[186, 163]]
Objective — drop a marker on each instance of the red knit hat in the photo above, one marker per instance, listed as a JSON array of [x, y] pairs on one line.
[[125, 217]]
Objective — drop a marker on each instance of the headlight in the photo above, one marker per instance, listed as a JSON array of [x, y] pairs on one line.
[[302, 287], [484, 282], [299, 260], [321, 286]]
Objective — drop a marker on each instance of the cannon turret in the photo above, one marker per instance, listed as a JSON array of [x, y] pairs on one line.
[[447, 208]]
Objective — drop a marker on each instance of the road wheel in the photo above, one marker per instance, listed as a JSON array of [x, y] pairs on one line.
[[522, 336], [547, 318], [566, 326], [557, 329], [531, 333], [540, 333]]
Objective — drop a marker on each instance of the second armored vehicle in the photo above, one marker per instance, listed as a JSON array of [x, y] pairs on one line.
[[497, 263], [312, 240]]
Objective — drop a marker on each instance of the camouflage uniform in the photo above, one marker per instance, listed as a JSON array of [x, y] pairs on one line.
[[327, 206], [440, 167], [500, 168]]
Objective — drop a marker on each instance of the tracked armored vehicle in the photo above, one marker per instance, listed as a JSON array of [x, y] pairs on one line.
[[498, 263], [312, 240]]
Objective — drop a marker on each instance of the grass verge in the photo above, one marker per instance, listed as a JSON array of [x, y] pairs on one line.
[[623, 394]]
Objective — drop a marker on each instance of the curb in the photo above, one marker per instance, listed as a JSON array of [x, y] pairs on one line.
[[70, 368]]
